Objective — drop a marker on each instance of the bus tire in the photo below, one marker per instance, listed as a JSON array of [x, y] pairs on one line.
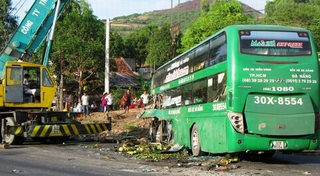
[[10, 138], [159, 133], [164, 132], [195, 142], [154, 125]]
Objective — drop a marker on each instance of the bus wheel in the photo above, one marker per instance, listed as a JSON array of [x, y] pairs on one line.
[[154, 125], [10, 138], [195, 142], [164, 131], [159, 133]]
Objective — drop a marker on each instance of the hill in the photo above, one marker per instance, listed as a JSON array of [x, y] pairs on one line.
[[184, 13]]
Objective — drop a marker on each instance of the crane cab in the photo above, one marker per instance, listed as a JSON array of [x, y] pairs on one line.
[[12, 90]]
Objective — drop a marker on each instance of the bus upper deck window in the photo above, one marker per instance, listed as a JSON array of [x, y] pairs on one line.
[[275, 43]]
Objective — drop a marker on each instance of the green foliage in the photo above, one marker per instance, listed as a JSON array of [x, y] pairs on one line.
[[298, 13], [138, 21], [117, 49], [78, 49], [136, 44], [117, 95], [8, 22], [221, 14], [159, 46], [205, 5], [130, 127]]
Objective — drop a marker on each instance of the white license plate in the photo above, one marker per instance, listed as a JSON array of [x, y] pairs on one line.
[[278, 145]]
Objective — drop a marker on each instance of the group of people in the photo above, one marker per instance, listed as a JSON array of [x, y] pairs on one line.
[[107, 101], [128, 100]]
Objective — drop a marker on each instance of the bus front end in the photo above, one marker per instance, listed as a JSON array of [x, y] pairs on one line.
[[274, 97]]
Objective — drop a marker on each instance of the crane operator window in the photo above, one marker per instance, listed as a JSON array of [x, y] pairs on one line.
[[46, 81]]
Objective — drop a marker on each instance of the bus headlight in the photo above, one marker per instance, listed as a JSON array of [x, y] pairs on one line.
[[236, 120]]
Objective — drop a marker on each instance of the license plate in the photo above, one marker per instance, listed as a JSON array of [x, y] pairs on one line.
[[54, 119], [278, 145]]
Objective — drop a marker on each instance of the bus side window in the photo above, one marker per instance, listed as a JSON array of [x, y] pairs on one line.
[[186, 94], [166, 103], [200, 91], [201, 56], [212, 88], [217, 87], [217, 50], [175, 95], [190, 60]]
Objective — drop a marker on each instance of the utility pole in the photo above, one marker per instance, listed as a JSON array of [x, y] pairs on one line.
[[106, 73]]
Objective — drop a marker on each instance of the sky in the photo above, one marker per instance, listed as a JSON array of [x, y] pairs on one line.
[[104, 9]]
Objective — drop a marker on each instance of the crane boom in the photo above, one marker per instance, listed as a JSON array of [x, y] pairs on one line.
[[32, 31], [26, 105]]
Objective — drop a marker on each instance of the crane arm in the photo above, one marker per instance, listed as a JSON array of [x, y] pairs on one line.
[[32, 31]]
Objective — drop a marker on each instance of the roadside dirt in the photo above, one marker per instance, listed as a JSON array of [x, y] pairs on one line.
[[130, 131], [124, 124]]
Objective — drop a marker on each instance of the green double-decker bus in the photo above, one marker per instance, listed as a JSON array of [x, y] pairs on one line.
[[246, 88]]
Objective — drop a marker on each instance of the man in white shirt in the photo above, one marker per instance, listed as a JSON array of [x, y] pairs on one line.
[[85, 104], [145, 98], [109, 98]]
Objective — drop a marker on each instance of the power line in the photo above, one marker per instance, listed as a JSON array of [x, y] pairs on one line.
[[19, 7]]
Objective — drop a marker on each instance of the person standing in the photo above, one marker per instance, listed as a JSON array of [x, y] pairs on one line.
[[128, 97], [104, 102], [109, 98], [145, 98], [85, 104]]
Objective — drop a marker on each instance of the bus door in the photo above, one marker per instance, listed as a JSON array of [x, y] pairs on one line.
[[14, 86]]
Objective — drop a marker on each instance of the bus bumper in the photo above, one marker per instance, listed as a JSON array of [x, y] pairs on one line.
[[259, 143]]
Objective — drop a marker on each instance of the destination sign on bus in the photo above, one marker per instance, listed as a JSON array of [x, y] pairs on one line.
[[264, 75], [275, 43]]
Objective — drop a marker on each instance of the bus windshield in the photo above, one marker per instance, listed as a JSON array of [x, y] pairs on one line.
[[275, 43]]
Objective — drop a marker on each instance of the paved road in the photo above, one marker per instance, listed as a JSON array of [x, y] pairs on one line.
[[91, 158]]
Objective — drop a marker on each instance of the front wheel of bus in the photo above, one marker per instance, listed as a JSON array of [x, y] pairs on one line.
[[195, 142]]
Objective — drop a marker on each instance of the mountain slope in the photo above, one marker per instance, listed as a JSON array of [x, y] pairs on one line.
[[185, 14]]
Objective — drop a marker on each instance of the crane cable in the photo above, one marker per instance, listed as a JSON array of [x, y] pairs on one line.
[[19, 7]]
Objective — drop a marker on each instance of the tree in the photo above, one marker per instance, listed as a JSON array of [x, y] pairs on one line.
[[298, 13], [205, 5], [8, 22], [117, 47], [221, 14], [159, 46], [78, 50], [136, 44]]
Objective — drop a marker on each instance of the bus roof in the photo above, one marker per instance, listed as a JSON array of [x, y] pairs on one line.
[[240, 27], [264, 27]]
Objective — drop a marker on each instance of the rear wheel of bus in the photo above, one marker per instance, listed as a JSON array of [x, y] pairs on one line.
[[195, 142]]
